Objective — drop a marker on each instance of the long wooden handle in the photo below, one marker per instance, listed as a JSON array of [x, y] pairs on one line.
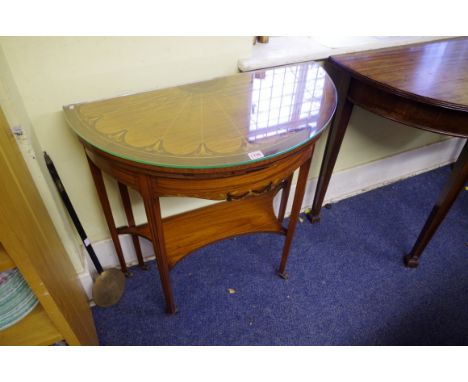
[[71, 211]]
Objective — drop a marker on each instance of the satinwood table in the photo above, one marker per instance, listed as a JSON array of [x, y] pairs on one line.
[[423, 86], [235, 139]]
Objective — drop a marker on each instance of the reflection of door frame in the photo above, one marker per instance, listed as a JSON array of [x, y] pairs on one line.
[[297, 101], [29, 237]]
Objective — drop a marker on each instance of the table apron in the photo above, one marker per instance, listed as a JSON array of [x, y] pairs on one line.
[[238, 184], [233, 187], [412, 113]]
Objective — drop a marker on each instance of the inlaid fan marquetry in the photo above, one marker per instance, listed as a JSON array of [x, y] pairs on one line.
[[221, 122]]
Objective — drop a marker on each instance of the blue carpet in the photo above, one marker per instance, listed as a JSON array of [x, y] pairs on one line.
[[347, 284]]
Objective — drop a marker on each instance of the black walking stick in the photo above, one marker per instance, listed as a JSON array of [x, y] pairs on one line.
[[109, 285]]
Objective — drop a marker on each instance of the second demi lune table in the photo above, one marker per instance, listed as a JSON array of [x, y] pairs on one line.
[[235, 139], [423, 86]]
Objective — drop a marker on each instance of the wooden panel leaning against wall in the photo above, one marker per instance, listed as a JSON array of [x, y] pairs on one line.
[[29, 240]]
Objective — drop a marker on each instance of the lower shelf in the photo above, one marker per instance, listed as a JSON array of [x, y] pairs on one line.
[[35, 329], [188, 231]]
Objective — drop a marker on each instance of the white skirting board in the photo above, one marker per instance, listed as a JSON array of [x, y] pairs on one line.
[[343, 184]]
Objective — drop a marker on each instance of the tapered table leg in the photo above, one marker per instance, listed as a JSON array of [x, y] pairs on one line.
[[447, 197], [102, 194], [296, 209], [131, 223], [153, 213], [332, 148]]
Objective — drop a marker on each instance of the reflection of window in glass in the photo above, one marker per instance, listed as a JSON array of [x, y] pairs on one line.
[[285, 99]]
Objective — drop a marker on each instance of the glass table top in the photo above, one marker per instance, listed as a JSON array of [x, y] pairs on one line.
[[222, 122]]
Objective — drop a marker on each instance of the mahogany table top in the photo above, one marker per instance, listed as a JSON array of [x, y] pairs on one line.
[[435, 73]]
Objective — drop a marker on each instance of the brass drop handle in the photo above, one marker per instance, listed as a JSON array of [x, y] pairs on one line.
[[269, 187]]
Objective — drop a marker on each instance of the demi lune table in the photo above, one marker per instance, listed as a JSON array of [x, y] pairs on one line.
[[235, 139], [421, 85]]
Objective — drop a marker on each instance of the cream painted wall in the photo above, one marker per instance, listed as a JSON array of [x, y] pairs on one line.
[[45, 73]]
